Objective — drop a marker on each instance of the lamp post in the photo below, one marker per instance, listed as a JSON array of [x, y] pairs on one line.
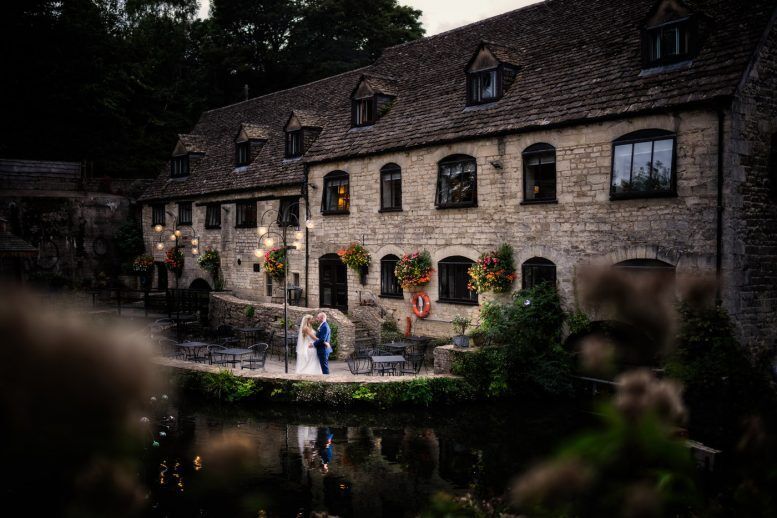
[[177, 235], [283, 220]]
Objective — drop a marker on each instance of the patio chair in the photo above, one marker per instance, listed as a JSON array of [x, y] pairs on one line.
[[415, 358], [257, 358], [168, 348], [359, 364], [213, 356]]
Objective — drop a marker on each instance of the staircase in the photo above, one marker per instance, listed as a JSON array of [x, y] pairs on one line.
[[364, 339]]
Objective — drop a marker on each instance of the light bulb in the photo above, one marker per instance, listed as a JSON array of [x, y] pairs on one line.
[[177, 233], [309, 223], [173, 237], [298, 235], [195, 251], [258, 252], [297, 244], [269, 242], [195, 241], [158, 228], [261, 230], [160, 246]]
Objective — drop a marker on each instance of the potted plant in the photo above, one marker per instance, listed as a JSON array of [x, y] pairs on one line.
[[460, 325], [478, 336], [414, 270], [356, 257]]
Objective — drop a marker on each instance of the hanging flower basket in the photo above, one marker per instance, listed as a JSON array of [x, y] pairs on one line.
[[493, 271], [355, 257], [174, 261], [414, 270], [143, 264], [210, 261], [274, 263]]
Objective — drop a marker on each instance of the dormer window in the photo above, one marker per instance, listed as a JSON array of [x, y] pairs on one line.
[[670, 34], [372, 98], [489, 73], [293, 143], [179, 166], [364, 111], [242, 153]]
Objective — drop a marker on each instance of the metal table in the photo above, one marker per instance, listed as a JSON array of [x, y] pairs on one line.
[[191, 350], [234, 352], [250, 335], [384, 364]]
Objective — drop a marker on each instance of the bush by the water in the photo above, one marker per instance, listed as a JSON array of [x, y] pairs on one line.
[[526, 356]]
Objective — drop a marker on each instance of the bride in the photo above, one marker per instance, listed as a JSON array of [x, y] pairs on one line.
[[307, 359]]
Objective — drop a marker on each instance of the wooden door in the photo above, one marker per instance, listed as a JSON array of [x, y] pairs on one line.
[[333, 283]]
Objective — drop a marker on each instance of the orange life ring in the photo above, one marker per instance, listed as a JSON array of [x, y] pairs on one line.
[[421, 304]]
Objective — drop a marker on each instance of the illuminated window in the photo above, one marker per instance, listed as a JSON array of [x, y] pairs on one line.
[[336, 198]]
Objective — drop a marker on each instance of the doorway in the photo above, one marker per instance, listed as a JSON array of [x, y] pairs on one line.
[[161, 275], [333, 283]]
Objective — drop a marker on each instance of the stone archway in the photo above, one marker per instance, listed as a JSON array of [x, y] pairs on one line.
[[200, 284]]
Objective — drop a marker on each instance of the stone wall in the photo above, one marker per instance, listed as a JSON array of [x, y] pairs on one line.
[[584, 225], [227, 309], [750, 213]]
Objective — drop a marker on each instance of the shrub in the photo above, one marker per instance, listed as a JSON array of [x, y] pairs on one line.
[[250, 311], [225, 386], [389, 332]]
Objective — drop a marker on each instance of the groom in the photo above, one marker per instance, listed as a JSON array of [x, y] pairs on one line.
[[322, 338]]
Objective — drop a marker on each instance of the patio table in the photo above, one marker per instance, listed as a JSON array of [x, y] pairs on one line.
[[234, 352], [384, 364], [249, 335], [191, 350]]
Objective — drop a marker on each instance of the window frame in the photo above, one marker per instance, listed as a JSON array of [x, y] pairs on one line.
[[268, 285], [289, 149], [450, 160], [463, 264], [537, 263], [389, 169], [242, 147], [372, 103], [638, 137], [247, 223], [498, 86], [180, 166], [686, 38], [156, 210], [540, 148], [390, 261], [330, 177], [182, 206], [288, 200], [209, 209]]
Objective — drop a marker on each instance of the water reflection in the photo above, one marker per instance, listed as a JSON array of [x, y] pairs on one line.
[[231, 462]]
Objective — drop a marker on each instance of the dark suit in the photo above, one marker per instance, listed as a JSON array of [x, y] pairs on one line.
[[322, 335]]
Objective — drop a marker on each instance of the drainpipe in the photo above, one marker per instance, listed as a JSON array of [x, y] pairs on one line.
[[307, 232], [719, 230]]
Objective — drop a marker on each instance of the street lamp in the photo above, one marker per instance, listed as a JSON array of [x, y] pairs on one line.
[[283, 220], [176, 236]]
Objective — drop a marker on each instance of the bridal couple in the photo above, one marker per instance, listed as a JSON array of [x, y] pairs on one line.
[[313, 347]]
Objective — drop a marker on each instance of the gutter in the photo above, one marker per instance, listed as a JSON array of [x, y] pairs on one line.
[[305, 171], [720, 209]]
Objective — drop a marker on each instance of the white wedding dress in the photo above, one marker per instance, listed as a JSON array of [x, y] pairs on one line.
[[307, 359]]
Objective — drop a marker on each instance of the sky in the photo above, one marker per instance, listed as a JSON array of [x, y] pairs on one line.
[[442, 15]]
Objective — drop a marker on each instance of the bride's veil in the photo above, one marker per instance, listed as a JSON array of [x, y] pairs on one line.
[[300, 338]]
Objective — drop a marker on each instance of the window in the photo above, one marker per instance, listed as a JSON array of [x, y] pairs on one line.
[[185, 213], [213, 216], [242, 153], [668, 43], [288, 212], [179, 166], [389, 285], [268, 285], [454, 281], [537, 270], [158, 214], [457, 182], [336, 197], [643, 165], [293, 144], [483, 86], [390, 187], [364, 111], [539, 173], [245, 214]]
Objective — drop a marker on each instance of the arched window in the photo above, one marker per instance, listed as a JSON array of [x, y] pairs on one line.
[[390, 188], [336, 198], [454, 280], [389, 285], [647, 266], [457, 182], [643, 165], [539, 173], [536, 271]]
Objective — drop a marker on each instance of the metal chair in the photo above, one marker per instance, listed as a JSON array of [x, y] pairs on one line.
[[257, 358], [213, 356], [168, 348], [415, 356], [358, 364]]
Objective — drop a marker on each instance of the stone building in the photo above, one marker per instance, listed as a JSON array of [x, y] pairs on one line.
[[640, 133]]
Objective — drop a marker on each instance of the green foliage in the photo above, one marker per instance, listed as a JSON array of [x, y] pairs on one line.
[[225, 386], [578, 323], [363, 393], [334, 340], [460, 324], [721, 384], [128, 241], [250, 311], [389, 332], [529, 359], [493, 271]]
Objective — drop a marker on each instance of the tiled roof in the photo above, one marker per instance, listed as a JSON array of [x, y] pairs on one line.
[[577, 61], [255, 131], [13, 246], [193, 143]]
